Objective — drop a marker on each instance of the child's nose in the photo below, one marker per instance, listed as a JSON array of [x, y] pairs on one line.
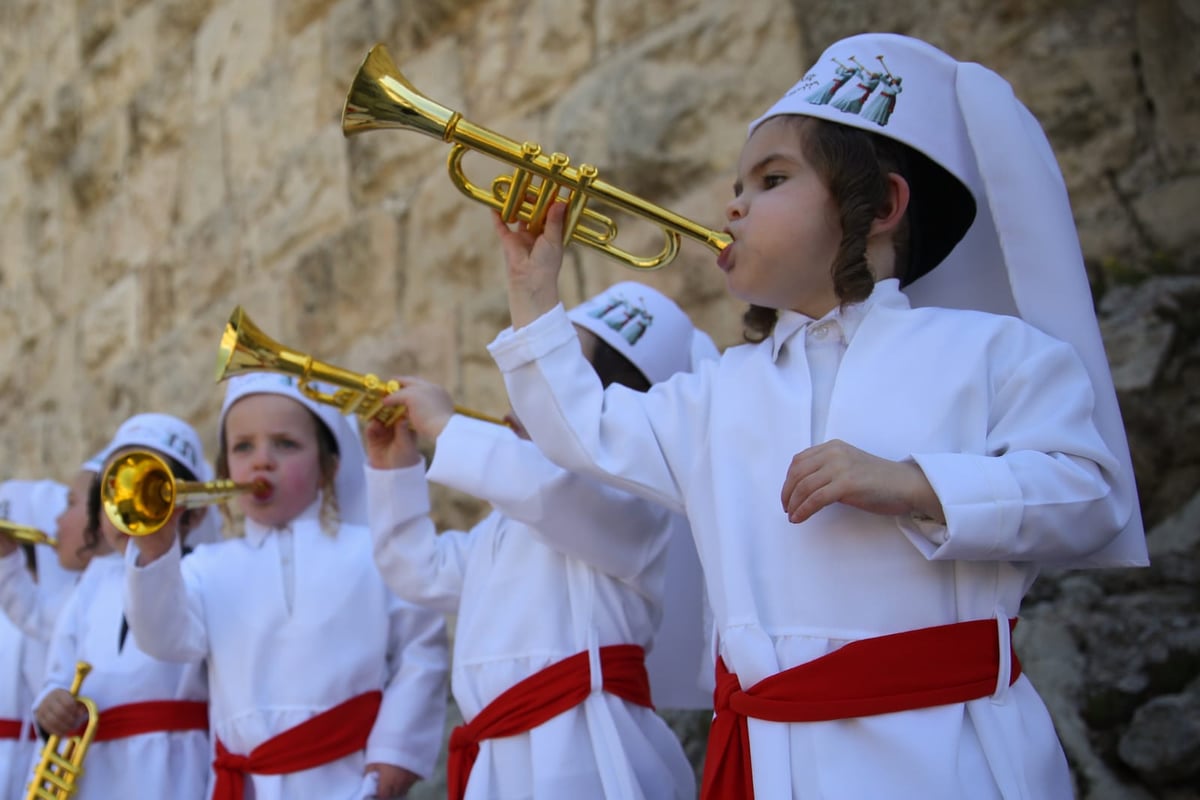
[[735, 209]]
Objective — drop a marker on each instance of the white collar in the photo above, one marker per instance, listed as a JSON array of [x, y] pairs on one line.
[[886, 293], [256, 533]]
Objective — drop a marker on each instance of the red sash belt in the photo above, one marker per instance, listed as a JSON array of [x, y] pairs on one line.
[[543, 696], [13, 728], [154, 716], [881, 675], [330, 735]]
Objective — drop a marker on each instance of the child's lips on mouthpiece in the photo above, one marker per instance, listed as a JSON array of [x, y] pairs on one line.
[[725, 258]]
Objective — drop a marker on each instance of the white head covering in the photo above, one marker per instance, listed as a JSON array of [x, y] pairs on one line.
[[94, 463], [33, 503], [38, 505], [171, 436], [165, 434], [1019, 251], [350, 483], [647, 327]]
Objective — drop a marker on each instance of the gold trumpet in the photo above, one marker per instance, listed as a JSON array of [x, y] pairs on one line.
[[139, 492], [381, 97], [59, 770], [245, 348], [25, 534]]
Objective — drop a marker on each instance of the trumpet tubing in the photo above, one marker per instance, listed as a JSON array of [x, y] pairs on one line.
[[139, 492], [61, 763], [245, 348], [381, 97], [25, 534]]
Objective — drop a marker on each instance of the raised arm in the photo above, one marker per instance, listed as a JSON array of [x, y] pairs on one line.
[[20, 600], [609, 529], [417, 563], [165, 614]]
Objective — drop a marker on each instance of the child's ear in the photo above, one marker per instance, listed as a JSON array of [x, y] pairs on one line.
[[892, 212]]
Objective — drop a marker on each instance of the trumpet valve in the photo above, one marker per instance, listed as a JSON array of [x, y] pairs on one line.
[[518, 186]]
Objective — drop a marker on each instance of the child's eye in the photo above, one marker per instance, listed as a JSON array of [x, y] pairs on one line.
[[773, 180], [288, 444], [241, 447]]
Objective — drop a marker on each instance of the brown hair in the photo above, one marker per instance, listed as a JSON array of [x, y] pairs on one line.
[[613, 367], [327, 460], [853, 165]]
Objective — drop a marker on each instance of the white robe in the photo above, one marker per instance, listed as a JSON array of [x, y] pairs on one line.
[[30, 611], [16, 698], [31, 605], [273, 664], [999, 418], [172, 764], [562, 565]]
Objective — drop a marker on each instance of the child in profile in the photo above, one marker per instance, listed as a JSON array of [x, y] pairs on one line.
[[923, 419]]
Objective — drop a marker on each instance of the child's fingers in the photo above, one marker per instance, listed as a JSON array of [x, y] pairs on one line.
[[804, 464], [809, 496], [60, 713]]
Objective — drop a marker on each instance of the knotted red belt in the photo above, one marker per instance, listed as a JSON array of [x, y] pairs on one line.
[[543, 696], [15, 729], [884, 674], [330, 735]]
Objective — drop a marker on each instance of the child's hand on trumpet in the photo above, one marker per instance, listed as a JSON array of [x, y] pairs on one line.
[[428, 409], [534, 262], [60, 713]]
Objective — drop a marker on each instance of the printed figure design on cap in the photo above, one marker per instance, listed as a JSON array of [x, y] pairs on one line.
[[631, 321], [824, 94], [180, 446], [865, 97]]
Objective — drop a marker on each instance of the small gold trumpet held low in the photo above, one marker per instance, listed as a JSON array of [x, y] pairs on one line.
[[25, 534], [381, 97], [61, 764], [139, 492], [245, 348]]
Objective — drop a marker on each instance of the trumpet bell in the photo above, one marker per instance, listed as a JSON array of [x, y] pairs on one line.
[[139, 493], [381, 97], [245, 348]]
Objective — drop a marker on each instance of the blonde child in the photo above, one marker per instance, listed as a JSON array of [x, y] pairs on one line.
[[23, 632], [323, 684], [562, 574], [872, 486], [152, 738]]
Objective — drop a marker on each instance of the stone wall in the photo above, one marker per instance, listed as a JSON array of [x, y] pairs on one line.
[[162, 161]]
